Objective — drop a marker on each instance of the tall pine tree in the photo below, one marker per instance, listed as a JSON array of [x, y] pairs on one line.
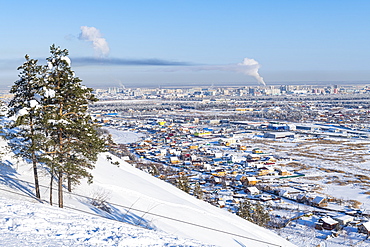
[[25, 107], [253, 212], [73, 143]]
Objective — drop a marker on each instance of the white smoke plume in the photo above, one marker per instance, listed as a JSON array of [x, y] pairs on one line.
[[250, 67], [93, 35]]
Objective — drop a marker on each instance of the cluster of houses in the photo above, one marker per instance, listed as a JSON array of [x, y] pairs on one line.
[[216, 155], [217, 162], [227, 168]]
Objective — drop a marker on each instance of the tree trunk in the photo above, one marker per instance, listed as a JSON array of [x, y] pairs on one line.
[[37, 186], [69, 180], [51, 186], [60, 188], [34, 161]]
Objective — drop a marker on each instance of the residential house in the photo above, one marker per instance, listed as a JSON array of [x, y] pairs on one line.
[[257, 151], [240, 177], [326, 223], [251, 181], [253, 157], [302, 198], [364, 228], [174, 160], [265, 171]]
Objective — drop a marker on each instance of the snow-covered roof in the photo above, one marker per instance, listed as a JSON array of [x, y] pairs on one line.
[[366, 225], [328, 220], [239, 177], [344, 218], [253, 189], [318, 199]]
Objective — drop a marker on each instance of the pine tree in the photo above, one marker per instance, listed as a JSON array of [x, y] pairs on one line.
[[245, 210], [25, 106], [197, 192], [183, 183], [73, 143], [255, 213], [262, 217]]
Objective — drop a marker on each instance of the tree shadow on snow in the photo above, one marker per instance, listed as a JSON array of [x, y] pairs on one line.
[[109, 211], [8, 177]]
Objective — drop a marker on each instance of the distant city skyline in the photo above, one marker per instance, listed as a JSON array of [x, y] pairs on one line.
[[154, 43]]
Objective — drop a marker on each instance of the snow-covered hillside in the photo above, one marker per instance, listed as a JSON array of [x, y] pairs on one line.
[[134, 197], [33, 224]]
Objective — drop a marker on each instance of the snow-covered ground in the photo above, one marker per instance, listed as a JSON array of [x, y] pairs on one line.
[[124, 137], [27, 223], [158, 213]]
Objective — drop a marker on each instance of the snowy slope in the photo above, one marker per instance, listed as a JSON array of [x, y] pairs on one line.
[[134, 197], [34, 224]]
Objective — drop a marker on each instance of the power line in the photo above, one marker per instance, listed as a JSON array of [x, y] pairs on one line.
[[138, 210]]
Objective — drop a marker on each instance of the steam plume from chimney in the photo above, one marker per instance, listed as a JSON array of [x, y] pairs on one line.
[[93, 35], [250, 67]]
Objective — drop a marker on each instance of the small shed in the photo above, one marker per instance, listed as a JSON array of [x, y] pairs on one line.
[[221, 203], [319, 201], [257, 151], [344, 219], [284, 172], [252, 190]]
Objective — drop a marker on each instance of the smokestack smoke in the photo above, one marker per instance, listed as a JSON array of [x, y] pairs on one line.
[[93, 35], [250, 67]]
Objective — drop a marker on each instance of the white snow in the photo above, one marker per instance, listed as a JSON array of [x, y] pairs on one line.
[[22, 112], [124, 137], [34, 224], [49, 93], [50, 65], [61, 121], [33, 103], [67, 59]]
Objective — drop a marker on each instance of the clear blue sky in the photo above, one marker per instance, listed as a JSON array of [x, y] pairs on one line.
[[310, 41]]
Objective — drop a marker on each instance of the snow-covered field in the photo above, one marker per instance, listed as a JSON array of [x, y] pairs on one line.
[[158, 213], [124, 137]]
